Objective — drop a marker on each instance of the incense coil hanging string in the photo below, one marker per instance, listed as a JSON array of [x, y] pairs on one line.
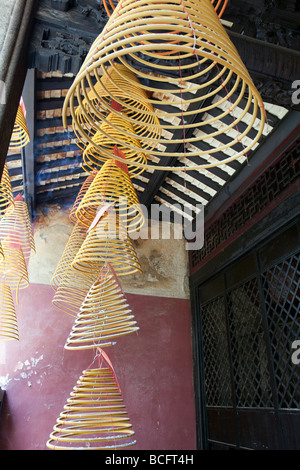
[[135, 37], [94, 417], [8, 319], [119, 92], [74, 243], [15, 228], [20, 135], [107, 242], [7, 203], [105, 138], [104, 315], [112, 185], [80, 195], [13, 269]]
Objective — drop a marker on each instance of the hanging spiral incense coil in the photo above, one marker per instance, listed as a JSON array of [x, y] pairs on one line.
[[94, 417], [15, 228], [7, 203], [113, 186], [80, 195], [219, 6], [8, 320], [175, 39], [104, 315], [105, 139], [119, 92], [13, 270], [20, 135], [107, 242], [74, 243], [72, 291]]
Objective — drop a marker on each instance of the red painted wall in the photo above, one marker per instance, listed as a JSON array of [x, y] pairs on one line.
[[153, 368]]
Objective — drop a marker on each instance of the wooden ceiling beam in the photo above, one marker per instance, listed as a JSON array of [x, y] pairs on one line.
[[158, 176]]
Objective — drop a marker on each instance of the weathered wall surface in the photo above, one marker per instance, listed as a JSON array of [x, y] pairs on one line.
[[164, 261]]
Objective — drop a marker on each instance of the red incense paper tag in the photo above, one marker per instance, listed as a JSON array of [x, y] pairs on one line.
[[121, 165], [22, 105], [19, 197], [108, 362], [115, 105]]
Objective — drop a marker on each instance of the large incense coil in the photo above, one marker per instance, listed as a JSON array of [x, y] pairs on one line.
[[72, 290], [74, 243], [7, 203], [8, 320], [20, 135], [93, 159], [15, 228], [94, 417], [200, 49], [86, 184], [112, 186], [117, 91], [13, 270], [107, 242], [104, 315], [219, 6]]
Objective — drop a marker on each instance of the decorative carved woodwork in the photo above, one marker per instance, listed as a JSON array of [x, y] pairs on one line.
[[65, 30]]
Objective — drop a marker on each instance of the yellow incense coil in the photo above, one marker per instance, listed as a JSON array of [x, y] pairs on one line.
[[74, 243], [105, 138], [94, 417], [104, 315], [13, 270], [8, 320], [15, 228], [72, 291], [117, 91], [80, 195], [107, 242], [20, 135], [168, 46], [219, 6], [112, 186], [7, 203]]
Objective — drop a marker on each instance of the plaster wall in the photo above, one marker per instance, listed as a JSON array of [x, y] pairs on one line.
[[164, 261]]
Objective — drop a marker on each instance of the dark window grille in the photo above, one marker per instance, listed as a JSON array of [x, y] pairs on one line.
[[248, 345], [281, 285], [265, 190], [216, 359], [249, 317]]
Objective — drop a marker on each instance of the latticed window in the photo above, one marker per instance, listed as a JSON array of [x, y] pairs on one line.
[[215, 350], [248, 344], [281, 284], [249, 318]]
